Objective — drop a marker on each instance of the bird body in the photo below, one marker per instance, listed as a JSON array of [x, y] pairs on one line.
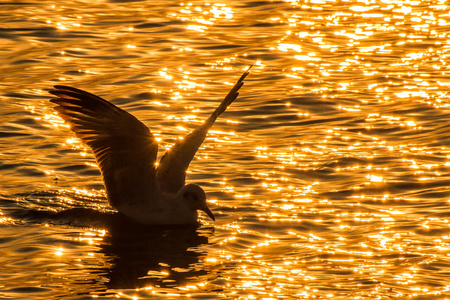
[[126, 151], [173, 210]]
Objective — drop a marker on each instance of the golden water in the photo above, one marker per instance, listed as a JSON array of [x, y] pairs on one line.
[[328, 176]]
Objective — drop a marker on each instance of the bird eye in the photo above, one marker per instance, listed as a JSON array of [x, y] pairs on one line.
[[190, 194]]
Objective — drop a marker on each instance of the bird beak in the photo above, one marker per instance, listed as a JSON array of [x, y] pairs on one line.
[[208, 212]]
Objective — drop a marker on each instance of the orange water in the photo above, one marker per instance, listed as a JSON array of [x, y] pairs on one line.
[[328, 176]]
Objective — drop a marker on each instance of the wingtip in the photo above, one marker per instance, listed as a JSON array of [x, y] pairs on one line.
[[57, 90], [245, 74], [54, 92], [61, 87]]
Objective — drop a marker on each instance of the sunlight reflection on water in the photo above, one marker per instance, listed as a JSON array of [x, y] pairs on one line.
[[328, 175]]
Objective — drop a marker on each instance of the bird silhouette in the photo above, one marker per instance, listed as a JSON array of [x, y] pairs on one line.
[[126, 153]]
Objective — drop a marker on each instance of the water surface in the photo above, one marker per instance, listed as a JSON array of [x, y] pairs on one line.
[[328, 176]]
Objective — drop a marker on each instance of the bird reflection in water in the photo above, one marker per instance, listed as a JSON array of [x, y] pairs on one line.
[[162, 256], [137, 256]]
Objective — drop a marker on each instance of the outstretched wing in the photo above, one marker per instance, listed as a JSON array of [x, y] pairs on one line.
[[124, 148], [171, 172]]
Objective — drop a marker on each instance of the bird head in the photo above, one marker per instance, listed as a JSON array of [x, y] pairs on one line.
[[196, 198]]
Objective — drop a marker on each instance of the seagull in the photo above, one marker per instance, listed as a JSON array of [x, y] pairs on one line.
[[126, 153]]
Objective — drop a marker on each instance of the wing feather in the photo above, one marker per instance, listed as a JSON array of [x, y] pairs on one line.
[[124, 148], [171, 172]]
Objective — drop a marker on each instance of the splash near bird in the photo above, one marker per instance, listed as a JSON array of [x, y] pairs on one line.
[[126, 151]]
